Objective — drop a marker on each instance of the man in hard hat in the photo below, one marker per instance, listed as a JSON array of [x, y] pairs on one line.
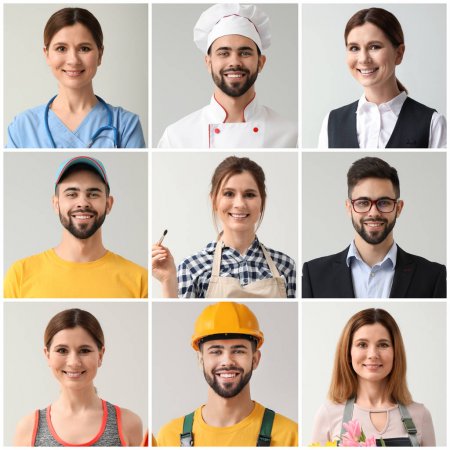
[[232, 38], [227, 339]]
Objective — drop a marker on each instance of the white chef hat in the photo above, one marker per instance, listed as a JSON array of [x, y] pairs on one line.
[[232, 18]]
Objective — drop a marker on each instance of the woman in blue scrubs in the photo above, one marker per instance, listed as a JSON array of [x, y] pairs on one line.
[[75, 117]]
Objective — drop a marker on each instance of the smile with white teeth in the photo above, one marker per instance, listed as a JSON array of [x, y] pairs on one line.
[[73, 374], [239, 216], [374, 224], [367, 71], [73, 73]]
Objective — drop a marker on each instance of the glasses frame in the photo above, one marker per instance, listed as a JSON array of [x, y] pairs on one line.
[[374, 202]]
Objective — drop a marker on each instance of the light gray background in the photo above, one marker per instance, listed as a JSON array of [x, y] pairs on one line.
[[421, 227], [178, 383], [181, 183], [423, 328], [31, 226], [181, 82], [121, 79], [28, 381], [327, 82]]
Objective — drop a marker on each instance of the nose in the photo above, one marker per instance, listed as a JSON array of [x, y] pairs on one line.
[[239, 201], [73, 57], [364, 56], [83, 201], [73, 359], [227, 359], [372, 352], [234, 59]]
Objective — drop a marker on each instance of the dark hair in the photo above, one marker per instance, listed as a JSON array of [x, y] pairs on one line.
[[67, 17], [371, 167], [223, 336], [385, 21], [344, 382], [234, 165], [82, 167], [257, 48], [71, 318]]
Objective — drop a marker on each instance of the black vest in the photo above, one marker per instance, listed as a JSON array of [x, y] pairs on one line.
[[412, 129]]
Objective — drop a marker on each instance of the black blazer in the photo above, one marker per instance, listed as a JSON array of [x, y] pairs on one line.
[[414, 277]]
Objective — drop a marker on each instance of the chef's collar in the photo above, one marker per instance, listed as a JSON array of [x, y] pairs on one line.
[[218, 114], [394, 105]]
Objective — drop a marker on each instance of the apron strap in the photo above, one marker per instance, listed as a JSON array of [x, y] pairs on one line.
[[270, 262], [265, 432], [215, 272], [186, 437], [348, 413], [409, 425]]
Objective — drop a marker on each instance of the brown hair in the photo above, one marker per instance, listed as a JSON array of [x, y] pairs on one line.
[[344, 381], [67, 17], [372, 167], [234, 166], [385, 21], [71, 318]]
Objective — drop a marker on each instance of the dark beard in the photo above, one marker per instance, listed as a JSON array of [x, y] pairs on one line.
[[226, 391], [377, 238], [234, 89], [84, 231]]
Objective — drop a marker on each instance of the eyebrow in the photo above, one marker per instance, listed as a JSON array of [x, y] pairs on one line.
[[231, 48], [65, 43], [217, 346], [367, 340], [76, 189], [225, 188]]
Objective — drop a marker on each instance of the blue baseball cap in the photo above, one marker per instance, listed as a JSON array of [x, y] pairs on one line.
[[88, 160]]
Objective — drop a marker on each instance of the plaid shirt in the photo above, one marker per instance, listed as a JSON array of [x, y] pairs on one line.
[[194, 272]]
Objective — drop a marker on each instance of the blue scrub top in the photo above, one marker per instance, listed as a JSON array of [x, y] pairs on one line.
[[27, 130]]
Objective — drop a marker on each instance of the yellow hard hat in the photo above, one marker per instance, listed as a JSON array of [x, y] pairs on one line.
[[225, 319]]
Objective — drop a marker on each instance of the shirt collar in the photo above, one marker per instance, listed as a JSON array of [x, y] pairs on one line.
[[394, 105], [211, 247], [353, 253], [218, 114]]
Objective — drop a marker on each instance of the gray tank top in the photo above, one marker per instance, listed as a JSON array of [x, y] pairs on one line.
[[109, 437]]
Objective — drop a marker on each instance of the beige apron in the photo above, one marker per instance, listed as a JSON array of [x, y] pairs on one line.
[[229, 287]]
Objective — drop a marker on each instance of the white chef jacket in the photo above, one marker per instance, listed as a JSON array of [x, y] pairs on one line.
[[375, 124], [206, 128]]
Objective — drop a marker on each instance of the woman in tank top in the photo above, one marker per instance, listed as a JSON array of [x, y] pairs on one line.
[[74, 349], [384, 117], [237, 264], [369, 384]]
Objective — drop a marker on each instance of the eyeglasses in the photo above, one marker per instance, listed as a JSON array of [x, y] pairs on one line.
[[384, 205]]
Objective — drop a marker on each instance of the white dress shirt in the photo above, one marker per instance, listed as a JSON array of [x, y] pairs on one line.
[[375, 124]]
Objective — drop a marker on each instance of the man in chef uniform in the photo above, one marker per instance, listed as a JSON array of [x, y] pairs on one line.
[[232, 37]]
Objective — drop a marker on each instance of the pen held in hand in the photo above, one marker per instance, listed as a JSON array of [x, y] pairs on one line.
[[162, 238]]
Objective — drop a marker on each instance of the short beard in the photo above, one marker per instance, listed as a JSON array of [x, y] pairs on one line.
[[227, 391], [84, 231], [376, 238], [234, 89]]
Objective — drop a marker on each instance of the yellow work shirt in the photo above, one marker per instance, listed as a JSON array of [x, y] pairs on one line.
[[243, 434], [46, 275]]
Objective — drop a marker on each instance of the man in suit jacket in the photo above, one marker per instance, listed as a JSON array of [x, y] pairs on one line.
[[373, 266]]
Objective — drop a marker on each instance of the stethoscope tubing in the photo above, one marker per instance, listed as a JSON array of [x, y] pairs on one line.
[[109, 126]]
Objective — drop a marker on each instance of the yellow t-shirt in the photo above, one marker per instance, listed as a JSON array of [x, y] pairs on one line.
[[46, 275], [243, 434]]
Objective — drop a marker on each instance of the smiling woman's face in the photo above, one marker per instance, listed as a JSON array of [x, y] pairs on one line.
[[372, 353], [371, 57], [73, 56], [74, 358]]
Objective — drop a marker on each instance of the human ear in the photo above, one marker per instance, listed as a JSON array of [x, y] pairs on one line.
[[208, 63], [109, 204], [47, 355], [100, 358], [45, 51], [400, 205], [100, 56], [400, 50], [348, 206], [261, 62], [200, 359], [55, 203], [255, 359]]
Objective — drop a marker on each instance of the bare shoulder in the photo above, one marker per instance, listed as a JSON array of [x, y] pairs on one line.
[[24, 431], [131, 427]]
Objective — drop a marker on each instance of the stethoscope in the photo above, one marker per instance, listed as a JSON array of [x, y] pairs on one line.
[[96, 134]]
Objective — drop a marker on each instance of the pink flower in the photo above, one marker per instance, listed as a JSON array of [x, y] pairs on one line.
[[353, 429], [348, 442], [370, 442]]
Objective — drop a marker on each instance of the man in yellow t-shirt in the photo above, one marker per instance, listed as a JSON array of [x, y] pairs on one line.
[[79, 266], [227, 339]]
